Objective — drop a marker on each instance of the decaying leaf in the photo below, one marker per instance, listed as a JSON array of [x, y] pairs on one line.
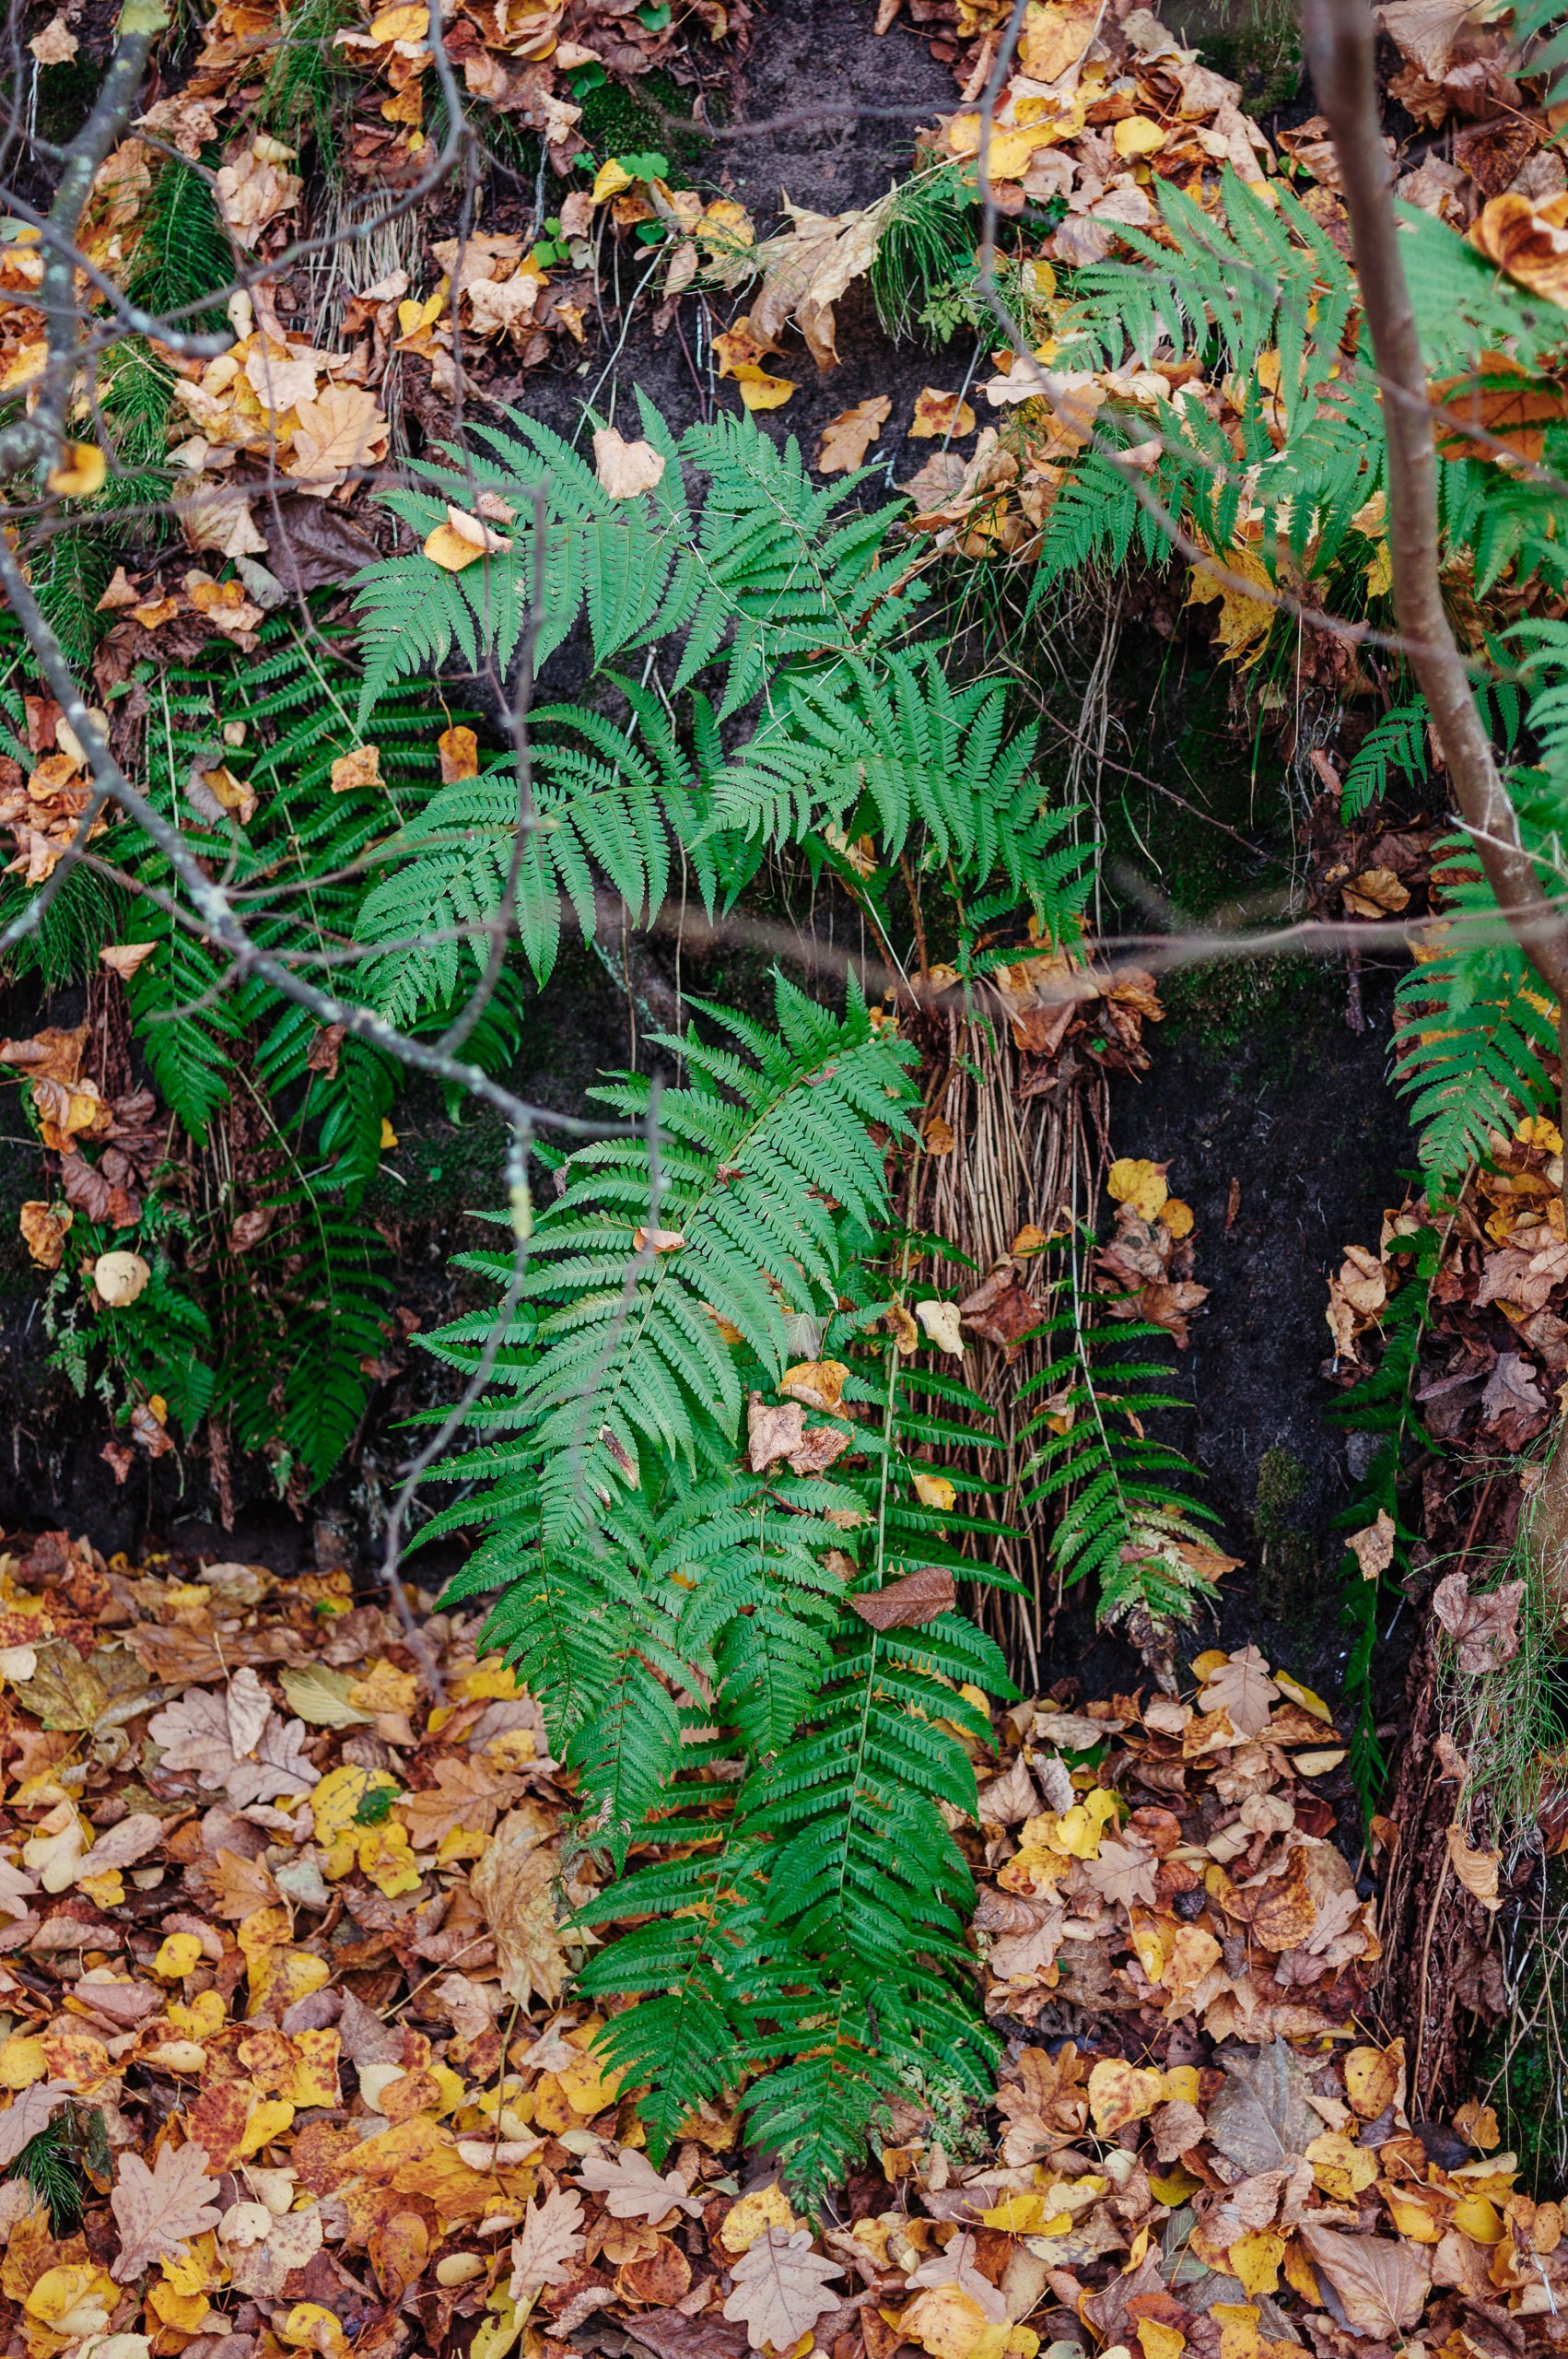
[[1485, 1629], [158, 2212]]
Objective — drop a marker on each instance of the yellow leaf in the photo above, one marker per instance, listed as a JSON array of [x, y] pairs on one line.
[[450, 550], [389, 1136], [1121, 2093], [1340, 2167], [361, 767], [947, 2322], [74, 2299], [758, 390], [766, 2207], [344, 1799], [1256, 2259], [83, 472], [1237, 2322], [610, 179], [1136, 135], [1158, 2341], [934, 1491], [176, 1957], [271, 2119], [1132, 1180], [1205, 1665], [1021, 2214], [314, 2328], [413, 315], [1181, 2084], [22, 2061], [279, 1976], [1477, 2218], [1176, 1216], [407, 23], [1302, 1696], [1176, 2187]]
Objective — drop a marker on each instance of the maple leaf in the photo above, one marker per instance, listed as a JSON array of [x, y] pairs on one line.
[[159, 2210], [28, 2113], [778, 2288], [466, 1794], [1243, 1690], [844, 438], [1122, 1875], [1485, 1629], [633, 2190], [552, 2237]]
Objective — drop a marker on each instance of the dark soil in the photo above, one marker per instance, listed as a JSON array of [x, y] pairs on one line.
[[1261, 1084]]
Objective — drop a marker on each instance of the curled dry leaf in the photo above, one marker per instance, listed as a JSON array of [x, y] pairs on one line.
[[1374, 1546]]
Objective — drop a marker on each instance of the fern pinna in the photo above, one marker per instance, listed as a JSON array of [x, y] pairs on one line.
[[679, 1552]]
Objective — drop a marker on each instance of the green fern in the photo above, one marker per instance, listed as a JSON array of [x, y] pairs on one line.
[[1122, 1517], [1471, 1030], [1381, 1404]]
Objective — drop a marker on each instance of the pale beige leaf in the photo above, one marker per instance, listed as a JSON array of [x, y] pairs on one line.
[[30, 2113], [513, 1883], [633, 2190], [1243, 1690], [940, 1320], [159, 2210], [1476, 1871], [779, 2289], [335, 435], [814, 260], [56, 44], [624, 468], [249, 1707], [552, 2237]]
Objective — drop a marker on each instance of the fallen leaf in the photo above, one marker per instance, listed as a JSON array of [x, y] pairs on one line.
[[940, 1320], [948, 414], [779, 2289], [1476, 1871], [1485, 1629], [1374, 1546], [909, 1604], [633, 2190], [159, 2210], [626, 469], [844, 438], [1382, 2284], [551, 2239], [1242, 1689], [56, 44]]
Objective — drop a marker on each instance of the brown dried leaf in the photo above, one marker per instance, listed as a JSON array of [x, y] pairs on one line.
[[906, 1604], [159, 2210], [1383, 2285], [1485, 1629]]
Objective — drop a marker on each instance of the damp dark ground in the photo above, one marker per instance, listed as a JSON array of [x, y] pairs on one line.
[[1267, 1089]]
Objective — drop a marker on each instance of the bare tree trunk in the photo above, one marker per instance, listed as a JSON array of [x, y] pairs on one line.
[[1340, 48]]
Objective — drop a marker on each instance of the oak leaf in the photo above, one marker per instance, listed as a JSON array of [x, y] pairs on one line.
[[633, 2190], [1242, 1689], [779, 2290], [159, 2210], [28, 2113], [466, 1794], [1123, 1875], [551, 2240]]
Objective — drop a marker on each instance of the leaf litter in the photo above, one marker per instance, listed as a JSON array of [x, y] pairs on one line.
[[298, 1947]]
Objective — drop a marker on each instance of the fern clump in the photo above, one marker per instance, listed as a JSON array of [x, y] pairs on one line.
[[680, 1595]]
